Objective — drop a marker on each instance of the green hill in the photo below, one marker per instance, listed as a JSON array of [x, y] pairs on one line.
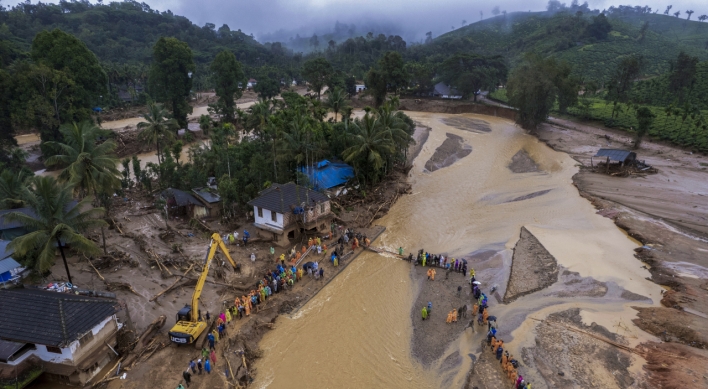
[[124, 32], [655, 91], [565, 36]]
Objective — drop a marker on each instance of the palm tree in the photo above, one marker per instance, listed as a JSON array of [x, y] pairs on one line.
[[11, 184], [371, 144], [56, 222], [259, 116], [336, 101], [88, 167], [157, 127], [296, 137], [393, 122]]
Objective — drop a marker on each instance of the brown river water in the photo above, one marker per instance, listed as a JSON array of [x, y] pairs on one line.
[[356, 333]]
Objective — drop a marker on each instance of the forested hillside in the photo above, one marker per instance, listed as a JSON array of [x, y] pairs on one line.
[[591, 43], [124, 32]]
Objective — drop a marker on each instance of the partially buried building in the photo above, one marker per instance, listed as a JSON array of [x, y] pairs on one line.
[[67, 337], [285, 211]]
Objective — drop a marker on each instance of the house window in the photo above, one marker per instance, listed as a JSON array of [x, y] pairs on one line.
[[274, 216], [322, 208], [88, 337], [260, 212], [53, 349]]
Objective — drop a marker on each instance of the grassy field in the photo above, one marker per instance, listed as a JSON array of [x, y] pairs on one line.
[[674, 129]]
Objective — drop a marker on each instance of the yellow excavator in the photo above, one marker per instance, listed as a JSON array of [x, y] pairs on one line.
[[190, 323]]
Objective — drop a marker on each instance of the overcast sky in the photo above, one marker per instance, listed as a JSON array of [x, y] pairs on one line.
[[265, 16]]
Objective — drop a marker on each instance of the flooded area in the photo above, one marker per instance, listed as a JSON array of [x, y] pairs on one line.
[[358, 331]]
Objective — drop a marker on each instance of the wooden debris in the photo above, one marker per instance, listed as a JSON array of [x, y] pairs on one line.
[[145, 340], [173, 285], [121, 285], [109, 372], [94, 268]]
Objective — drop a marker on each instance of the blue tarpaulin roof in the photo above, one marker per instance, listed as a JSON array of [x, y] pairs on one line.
[[328, 174]]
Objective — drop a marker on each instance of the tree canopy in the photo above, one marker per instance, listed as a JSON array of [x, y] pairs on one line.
[[469, 73], [171, 76], [316, 72], [229, 80]]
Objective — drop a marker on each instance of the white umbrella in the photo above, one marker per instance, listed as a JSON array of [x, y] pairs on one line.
[[477, 283]]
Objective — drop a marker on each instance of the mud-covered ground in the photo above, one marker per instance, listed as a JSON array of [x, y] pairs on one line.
[[432, 336], [532, 269], [450, 151], [668, 213]]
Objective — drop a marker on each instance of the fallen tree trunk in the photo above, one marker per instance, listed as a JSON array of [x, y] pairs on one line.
[[121, 285], [144, 339], [173, 285]]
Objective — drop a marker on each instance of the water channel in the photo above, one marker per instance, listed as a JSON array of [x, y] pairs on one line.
[[357, 331]]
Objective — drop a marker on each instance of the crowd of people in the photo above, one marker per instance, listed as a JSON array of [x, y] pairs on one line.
[[280, 278], [284, 276], [480, 309]]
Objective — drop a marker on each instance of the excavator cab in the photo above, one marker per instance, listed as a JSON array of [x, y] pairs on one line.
[[185, 313]]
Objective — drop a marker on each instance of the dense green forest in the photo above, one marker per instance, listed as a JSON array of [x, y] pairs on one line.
[[116, 44]]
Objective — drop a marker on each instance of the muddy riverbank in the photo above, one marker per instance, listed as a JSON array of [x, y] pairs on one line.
[[367, 319]]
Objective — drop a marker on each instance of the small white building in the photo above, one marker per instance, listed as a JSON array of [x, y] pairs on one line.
[[446, 92], [285, 211], [68, 338], [360, 88]]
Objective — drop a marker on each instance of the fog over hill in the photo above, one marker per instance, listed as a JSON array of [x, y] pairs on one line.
[[271, 20]]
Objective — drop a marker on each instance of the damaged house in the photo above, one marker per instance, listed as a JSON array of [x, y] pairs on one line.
[[68, 338], [286, 211]]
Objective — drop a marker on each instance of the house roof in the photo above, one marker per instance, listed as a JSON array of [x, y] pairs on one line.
[[7, 348], [50, 318], [615, 154], [282, 197], [7, 225], [328, 174], [443, 89], [8, 264], [207, 194], [182, 198], [4, 251]]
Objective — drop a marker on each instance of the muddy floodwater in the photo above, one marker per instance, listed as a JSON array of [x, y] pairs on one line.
[[357, 332]]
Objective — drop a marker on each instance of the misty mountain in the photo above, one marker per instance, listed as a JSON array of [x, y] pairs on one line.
[[573, 36], [306, 39]]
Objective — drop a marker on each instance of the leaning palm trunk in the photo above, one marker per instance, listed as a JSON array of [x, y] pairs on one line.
[[63, 257]]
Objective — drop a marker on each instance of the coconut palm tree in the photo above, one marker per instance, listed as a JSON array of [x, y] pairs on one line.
[[371, 145], [296, 138], [56, 222], [88, 167], [91, 168], [336, 101], [11, 184], [259, 117], [392, 121], [157, 127]]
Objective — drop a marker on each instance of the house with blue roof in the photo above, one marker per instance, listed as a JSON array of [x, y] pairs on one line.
[[326, 174]]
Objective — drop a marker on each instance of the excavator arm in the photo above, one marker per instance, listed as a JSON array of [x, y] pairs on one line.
[[190, 326], [216, 242]]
